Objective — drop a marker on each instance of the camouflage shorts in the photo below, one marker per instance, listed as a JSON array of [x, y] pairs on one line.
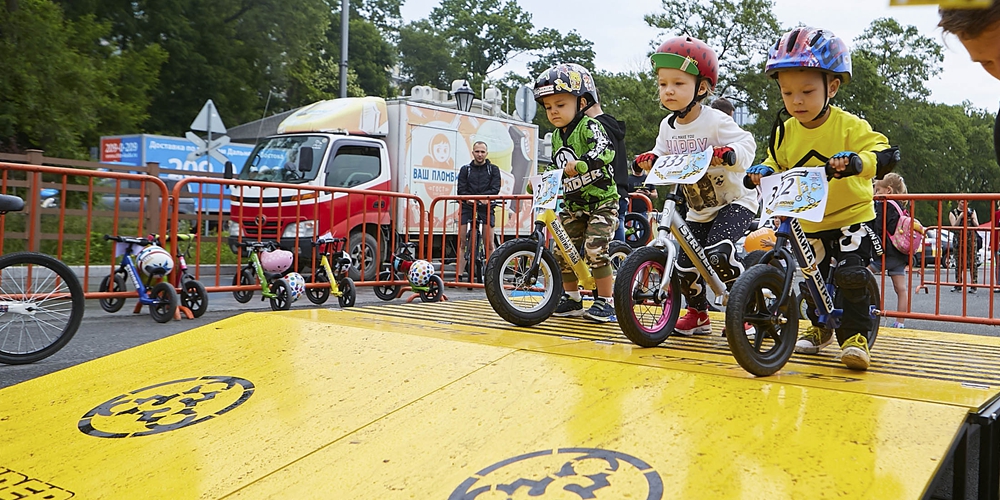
[[595, 228]]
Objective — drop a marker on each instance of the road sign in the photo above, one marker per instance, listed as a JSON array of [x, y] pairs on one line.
[[211, 148], [524, 104], [208, 120]]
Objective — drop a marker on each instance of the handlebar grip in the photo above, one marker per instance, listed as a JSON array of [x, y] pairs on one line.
[[729, 157], [854, 167], [108, 237], [747, 183]]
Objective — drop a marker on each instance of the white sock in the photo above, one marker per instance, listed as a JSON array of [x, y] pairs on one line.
[[575, 295], [607, 299]]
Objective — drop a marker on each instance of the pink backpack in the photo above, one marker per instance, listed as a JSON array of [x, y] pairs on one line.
[[909, 234]]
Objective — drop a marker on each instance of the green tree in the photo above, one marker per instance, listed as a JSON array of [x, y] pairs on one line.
[[556, 48], [426, 55], [63, 86], [486, 34], [903, 57]]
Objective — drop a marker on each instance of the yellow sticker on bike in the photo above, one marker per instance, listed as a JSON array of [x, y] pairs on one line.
[[680, 169], [799, 193]]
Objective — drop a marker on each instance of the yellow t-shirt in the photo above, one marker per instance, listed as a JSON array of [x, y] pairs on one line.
[[850, 198]]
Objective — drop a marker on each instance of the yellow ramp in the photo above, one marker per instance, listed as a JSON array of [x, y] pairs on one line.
[[447, 401]]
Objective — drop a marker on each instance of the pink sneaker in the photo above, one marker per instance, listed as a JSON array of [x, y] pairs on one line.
[[695, 322]]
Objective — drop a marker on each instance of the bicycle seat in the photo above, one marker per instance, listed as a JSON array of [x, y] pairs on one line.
[[10, 203]]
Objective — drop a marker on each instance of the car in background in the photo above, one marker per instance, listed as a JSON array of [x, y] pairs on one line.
[[936, 250]]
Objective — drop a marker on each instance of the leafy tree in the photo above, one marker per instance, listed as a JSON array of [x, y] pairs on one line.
[[556, 48], [426, 55], [903, 57], [62, 86], [486, 34]]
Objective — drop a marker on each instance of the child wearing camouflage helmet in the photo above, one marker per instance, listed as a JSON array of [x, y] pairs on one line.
[[581, 147]]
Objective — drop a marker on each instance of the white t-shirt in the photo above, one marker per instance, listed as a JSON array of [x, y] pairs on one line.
[[722, 184]]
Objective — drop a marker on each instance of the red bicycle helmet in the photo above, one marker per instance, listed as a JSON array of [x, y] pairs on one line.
[[690, 55]]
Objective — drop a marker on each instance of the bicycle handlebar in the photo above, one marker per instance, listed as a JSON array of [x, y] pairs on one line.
[[266, 245], [328, 239], [128, 239], [854, 167]]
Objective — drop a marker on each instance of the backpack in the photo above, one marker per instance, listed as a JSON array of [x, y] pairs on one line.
[[909, 234]]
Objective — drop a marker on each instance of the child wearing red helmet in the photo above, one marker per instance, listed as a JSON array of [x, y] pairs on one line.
[[720, 208], [810, 65]]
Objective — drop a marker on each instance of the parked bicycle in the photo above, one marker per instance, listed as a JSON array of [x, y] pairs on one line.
[[266, 265], [475, 242], [764, 296], [41, 302], [141, 254], [334, 266], [647, 293], [419, 274], [522, 279], [193, 295]]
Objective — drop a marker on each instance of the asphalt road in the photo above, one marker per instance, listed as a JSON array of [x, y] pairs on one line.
[[102, 333]]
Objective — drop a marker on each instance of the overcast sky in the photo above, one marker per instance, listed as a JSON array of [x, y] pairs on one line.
[[621, 37]]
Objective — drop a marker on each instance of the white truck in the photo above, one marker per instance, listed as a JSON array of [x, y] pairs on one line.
[[414, 145]]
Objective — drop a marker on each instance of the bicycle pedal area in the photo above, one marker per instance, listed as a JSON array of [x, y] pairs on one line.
[[446, 400]]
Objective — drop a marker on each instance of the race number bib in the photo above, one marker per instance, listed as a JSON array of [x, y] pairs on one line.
[[546, 188], [799, 193], [680, 169]]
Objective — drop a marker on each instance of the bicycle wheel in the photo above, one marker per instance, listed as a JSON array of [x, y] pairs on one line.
[[874, 299], [319, 295], [244, 277], [348, 291], [112, 305], [644, 317], [43, 305], [638, 230], [435, 290], [194, 297], [166, 302], [618, 251], [512, 295], [387, 291], [753, 300], [282, 300]]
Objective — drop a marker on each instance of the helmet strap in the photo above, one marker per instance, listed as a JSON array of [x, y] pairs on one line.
[[777, 133], [695, 100], [826, 98]]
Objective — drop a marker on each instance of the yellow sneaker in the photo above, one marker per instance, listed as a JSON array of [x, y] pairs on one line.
[[813, 340], [855, 353]]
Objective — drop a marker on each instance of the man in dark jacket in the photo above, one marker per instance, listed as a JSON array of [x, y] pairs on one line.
[[478, 178], [616, 132]]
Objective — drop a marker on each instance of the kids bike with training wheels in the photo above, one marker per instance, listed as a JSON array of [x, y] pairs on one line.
[[41, 302], [333, 270], [192, 294], [523, 281], [764, 296], [141, 254], [647, 292], [419, 274], [266, 265]]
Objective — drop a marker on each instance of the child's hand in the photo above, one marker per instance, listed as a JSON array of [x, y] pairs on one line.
[[757, 171], [645, 161], [840, 161], [570, 170]]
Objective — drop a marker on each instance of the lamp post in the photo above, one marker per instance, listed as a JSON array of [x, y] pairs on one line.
[[463, 96]]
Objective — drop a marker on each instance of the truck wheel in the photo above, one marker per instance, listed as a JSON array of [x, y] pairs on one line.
[[370, 256]]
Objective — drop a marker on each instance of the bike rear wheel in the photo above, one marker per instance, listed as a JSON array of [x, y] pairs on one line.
[[512, 295], [348, 292], [244, 277], [387, 291], [638, 230], [282, 300], [112, 283], [166, 299], [194, 297], [874, 300], [435, 290], [645, 318], [319, 295], [51, 298], [776, 326]]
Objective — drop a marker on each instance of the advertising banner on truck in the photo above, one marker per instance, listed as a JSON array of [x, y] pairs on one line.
[[439, 142], [174, 154]]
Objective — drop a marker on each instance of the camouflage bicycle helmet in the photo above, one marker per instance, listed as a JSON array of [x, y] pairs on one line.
[[566, 78], [691, 56], [810, 48]]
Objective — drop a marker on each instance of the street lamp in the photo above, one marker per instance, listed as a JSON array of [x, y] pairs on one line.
[[463, 95]]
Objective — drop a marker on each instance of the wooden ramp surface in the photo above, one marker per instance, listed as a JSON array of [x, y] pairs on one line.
[[448, 401]]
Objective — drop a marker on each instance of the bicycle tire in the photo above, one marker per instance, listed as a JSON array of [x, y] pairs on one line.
[[387, 292], [749, 303], [640, 275], [508, 263], [319, 295], [349, 293], [282, 300], [618, 251], [435, 290], [244, 277], [42, 344], [194, 297], [166, 306], [638, 230], [114, 304]]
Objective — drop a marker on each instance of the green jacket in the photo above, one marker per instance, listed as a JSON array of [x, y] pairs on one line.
[[589, 143]]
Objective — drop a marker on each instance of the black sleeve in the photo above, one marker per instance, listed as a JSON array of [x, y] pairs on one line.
[[463, 181], [494, 180]]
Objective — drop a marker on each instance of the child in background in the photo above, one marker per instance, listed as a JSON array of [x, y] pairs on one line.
[[719, 207], [895, 260], [810, 65], [582, 148], [723, 104]]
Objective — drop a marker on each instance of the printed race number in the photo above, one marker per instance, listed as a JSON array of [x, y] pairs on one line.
[[680, 169], [799, 193]]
